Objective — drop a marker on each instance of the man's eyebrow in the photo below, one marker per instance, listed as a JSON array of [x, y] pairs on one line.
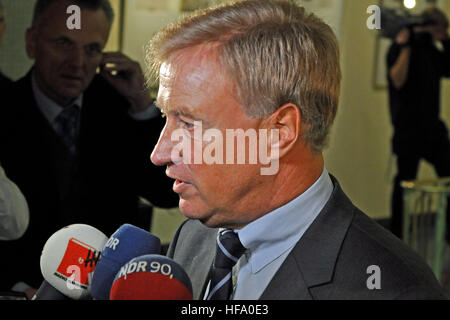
[[179, 112], [61, 37], [184, 114]]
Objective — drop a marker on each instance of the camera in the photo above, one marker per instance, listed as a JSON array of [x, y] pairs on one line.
[[395, 20]]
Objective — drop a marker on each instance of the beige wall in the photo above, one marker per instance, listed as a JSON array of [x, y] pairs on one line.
[[113, 43]]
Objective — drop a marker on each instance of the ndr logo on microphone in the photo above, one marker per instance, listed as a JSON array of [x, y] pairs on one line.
[[78, 264]]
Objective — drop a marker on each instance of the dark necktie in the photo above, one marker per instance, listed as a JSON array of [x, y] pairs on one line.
[[66, 126], [229, 250]]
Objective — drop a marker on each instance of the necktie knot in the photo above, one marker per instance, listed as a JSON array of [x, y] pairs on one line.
[[229, 250], [67, 124]]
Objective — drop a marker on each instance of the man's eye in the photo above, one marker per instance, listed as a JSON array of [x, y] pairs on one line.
[[186, 125], [93, 49], [62, 42]]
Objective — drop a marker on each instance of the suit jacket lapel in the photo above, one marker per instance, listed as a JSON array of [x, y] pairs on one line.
[[204, 262], [312, 261], [288, 283], [195, 252]]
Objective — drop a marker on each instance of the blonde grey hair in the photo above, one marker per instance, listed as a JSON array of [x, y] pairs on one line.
[[273, 51]]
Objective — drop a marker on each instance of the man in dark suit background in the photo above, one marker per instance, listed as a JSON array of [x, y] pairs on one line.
[[287, 232], [76, 142]]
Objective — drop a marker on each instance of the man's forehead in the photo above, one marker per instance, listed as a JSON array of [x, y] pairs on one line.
[[188, 60], [187, 73], [195, 76]]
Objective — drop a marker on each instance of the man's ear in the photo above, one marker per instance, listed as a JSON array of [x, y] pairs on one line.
[[30, 40], [286, 123]]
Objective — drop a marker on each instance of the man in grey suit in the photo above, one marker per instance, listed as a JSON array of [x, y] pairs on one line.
[[266, 74]]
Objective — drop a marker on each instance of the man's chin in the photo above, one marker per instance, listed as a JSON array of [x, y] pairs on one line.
[[67, 95], [189, 211], [72, 92], [72, 88], [211, 218], [196, 213]]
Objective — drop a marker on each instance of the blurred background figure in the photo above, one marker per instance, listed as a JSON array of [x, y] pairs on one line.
[[416, 67], [14, 216]]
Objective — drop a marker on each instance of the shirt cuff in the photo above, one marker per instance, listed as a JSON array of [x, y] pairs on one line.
[[151, 112]]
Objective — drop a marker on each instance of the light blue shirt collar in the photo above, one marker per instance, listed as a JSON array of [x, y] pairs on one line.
[[268, 237], [48, 107]]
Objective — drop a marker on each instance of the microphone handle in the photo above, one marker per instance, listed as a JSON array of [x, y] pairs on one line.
[[47, 292]]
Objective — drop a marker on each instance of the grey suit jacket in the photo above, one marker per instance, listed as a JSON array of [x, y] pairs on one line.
[[330, 261]]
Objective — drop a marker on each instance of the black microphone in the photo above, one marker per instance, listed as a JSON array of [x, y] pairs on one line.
[[48, 292]]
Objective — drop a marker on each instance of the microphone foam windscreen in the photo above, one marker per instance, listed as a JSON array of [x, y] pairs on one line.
[[125, 244], [69, 258], [151, 277]]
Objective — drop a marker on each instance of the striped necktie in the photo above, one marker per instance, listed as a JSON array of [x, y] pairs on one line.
[[67, 126], [229, 250]]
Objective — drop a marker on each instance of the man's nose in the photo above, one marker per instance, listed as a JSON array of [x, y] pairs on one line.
[[161, 154], [78, 58]]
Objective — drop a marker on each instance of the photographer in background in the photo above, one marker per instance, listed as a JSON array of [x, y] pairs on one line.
[[415, 68]]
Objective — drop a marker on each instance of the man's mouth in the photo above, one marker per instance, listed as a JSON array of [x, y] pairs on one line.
[[180, 185], [72, 78]]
